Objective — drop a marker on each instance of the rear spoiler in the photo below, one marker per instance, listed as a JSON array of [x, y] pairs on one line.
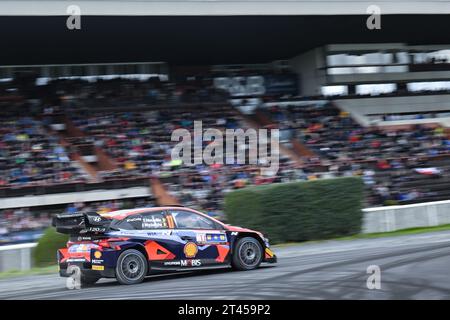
[[89, 223]]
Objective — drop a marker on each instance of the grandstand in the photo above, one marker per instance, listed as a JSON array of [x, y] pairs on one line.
[[389, 159], [98, 136]]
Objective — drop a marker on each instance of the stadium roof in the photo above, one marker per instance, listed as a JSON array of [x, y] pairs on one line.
[[201, 40], [222, 7]]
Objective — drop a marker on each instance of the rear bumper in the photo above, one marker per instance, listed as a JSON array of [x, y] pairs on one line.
[[103, 266], [87, 269]]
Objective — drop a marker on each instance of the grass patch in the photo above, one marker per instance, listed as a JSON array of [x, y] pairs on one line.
[[32, 271], [375, 235], [403, 232]]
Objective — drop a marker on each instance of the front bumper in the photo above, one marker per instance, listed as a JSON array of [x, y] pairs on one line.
[[271, 260], [269, 256]]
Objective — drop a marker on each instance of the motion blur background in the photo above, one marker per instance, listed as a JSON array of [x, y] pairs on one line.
[[86, 115]]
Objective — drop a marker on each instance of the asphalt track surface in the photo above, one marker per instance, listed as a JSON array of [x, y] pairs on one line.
[[412, 267]]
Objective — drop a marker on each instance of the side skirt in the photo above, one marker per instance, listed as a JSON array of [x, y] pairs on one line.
[[157, 269]]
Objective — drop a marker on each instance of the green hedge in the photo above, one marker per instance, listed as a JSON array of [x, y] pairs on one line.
[[299, 211], [45, 251]]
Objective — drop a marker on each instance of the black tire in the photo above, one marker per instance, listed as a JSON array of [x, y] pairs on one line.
[[247, 255], [132, 267], [88, 280]]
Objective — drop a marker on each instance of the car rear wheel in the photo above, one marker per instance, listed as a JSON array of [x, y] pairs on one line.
[[247, 255], [131, 267]]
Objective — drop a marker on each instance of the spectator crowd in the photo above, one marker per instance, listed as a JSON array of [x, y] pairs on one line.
[[29, 155], [132, 122], [398, 165]]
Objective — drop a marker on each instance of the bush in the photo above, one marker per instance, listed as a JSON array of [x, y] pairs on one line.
[[299, 211], [45, 252]]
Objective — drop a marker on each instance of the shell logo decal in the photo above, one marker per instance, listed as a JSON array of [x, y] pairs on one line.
[[190, 250], [97, 254]]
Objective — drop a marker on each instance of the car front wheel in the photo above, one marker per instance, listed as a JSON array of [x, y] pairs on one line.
[[248, 254], [131, 267]]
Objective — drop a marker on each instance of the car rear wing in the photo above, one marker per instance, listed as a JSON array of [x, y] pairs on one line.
[[89, 223]]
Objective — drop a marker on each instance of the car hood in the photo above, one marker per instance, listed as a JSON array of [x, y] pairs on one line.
[[240, 229]]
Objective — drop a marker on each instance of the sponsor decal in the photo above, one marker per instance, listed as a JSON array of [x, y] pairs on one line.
[[96, 261], [154, 222], [76, 260], [211, 238], [184, 263], [172, 263], [100, 268], [201, 237], [97, 254], [82, 248], [84, 238], [160, 233], [95, 229], [133, 219], [77, 248], [191, 263], [190, 250], [216, 238], [170, 221]]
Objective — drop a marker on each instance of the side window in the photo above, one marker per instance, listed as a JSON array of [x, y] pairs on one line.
[[190, 220], [154, 220], [133, 222], [150, 220]]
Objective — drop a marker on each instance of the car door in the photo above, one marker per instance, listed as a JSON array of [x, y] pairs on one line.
[[154, 231], [203, 241], [162, 246]]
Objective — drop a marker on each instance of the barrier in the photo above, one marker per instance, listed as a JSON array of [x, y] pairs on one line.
[[392, 218], [17, 257]]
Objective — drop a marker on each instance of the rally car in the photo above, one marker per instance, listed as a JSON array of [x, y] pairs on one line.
[[130, 244]]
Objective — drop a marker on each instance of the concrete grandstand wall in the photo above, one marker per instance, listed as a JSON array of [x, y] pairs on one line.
[[360, 107], [392, 218], [71, 197]]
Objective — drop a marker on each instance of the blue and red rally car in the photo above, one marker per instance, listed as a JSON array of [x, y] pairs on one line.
[[130, 244]]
